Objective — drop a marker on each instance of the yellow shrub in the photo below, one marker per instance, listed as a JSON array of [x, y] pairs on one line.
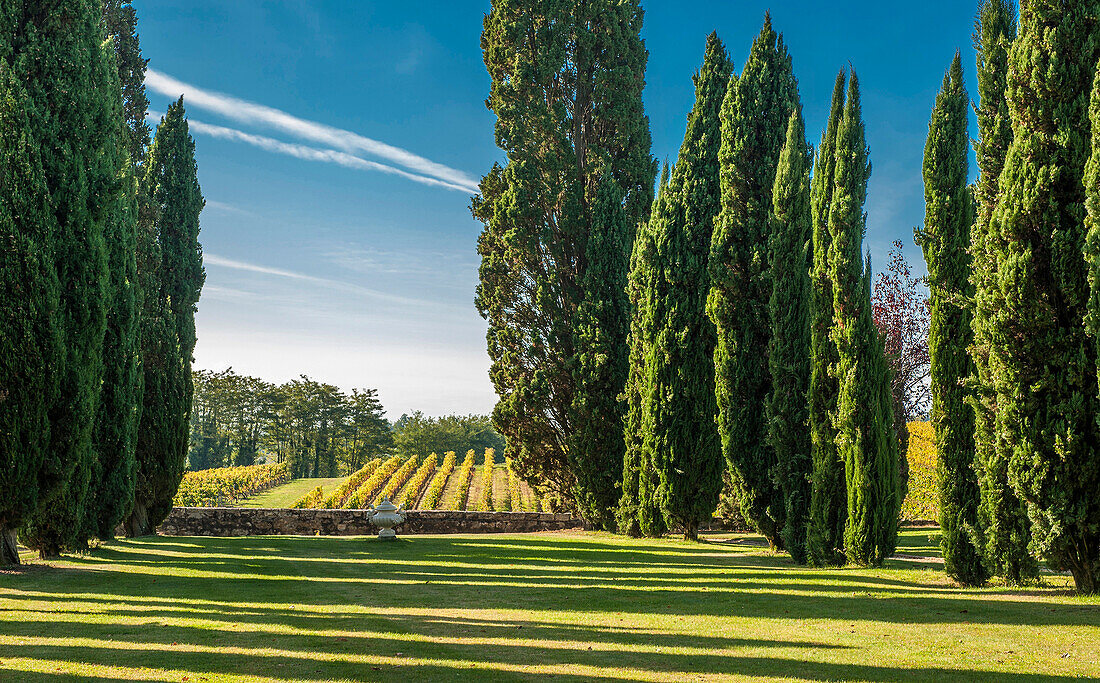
[[922, 503]]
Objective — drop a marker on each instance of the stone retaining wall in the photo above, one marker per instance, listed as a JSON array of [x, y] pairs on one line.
[[310, 522]]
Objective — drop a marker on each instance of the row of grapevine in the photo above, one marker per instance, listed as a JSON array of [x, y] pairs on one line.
[[411, 494], [310, 500], [399, 478], [486, 503], [439, 482], [226, 485], [465, 477], [515, 493], [364, 495], [343, 491]]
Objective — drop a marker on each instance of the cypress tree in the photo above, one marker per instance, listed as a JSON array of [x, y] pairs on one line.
[[170, 206], [111, 488], [789, 351], [828, 496], [63, 69], [567, 81], [603, 320], [678, 424], [945, 240], [31, 344], [1004, 525], [120, 21], [639, 512], [864, 416], [754, 126], [1044, 362]]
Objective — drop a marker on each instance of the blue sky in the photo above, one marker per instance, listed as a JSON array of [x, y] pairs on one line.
[[335, 140]]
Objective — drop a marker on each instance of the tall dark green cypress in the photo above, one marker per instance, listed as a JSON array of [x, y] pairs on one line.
[[120, 21], [639, 511], [1004, 525], [602, 362], [828, 496], [170, 205], [864, 415], [754, 127], [64, 71], [1044, 361], [945, 240], [111, 487], [30, 346], [789, 351], [679, 435]]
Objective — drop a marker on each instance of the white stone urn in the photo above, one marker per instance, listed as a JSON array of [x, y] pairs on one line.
[[386, 516]]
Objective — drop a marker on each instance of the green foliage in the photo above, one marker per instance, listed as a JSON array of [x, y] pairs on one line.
[[865, 415], [1043, 360], [567, 80], [603, 319], [679, 443], [789, 350], [411, 494], [435, 490], [1005, 527], [485, 504], [828, 496], [114, 438], [417, 433], [313, 499], [120, 21], [945, 239], [372, 485], [337, 498], [397, 480], [56, 54], [31, 343], [754, 120], [465, 477], [170, 205]]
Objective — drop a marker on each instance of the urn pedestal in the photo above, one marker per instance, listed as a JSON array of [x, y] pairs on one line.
[[386, 516]]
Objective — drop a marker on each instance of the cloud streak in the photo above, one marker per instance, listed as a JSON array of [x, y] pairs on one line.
[[346, 141], [308, 153]]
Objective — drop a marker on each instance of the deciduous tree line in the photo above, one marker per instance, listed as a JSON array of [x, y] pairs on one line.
[[100, 273], [1014, 272], [727, 326]]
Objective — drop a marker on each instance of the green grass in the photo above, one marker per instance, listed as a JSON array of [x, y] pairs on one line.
[[285, 495], [565, 607]]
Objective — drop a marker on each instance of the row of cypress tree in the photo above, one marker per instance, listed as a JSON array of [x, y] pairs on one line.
[[1014, 274], [752, 320], [100, 272], [642, 347]]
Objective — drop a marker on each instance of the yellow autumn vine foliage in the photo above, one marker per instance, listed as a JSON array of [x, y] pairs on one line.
[[922, 503]]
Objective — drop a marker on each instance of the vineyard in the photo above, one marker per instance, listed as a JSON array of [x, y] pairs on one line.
[[227, 485], [431, 483]]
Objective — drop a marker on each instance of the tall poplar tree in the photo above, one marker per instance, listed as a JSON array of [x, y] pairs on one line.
[[828, 496], [945, 240], [1005, 528], [57, 52], [679, 434], [754, 127], [30, 346], [170, 205], [789, 352], [1045, 363], [864, 416], [567, 80]]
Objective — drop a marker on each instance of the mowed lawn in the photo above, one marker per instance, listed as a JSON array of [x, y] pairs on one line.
[[563, 607]]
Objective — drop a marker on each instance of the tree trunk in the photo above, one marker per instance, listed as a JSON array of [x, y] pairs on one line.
[[138, 522], [9, 552], [1085, 579], [691, 531]]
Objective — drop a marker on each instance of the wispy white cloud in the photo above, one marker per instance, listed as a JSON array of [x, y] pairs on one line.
[[344, 140], [234, 264], [315, 154]]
